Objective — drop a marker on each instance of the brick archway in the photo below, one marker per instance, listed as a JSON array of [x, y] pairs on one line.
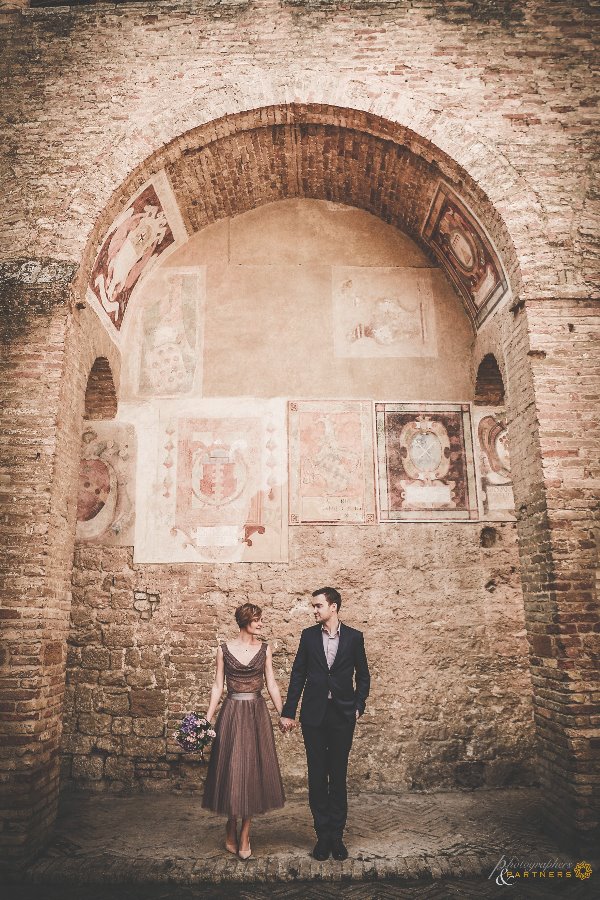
[[558, 587], [505, 199], [314, 139]]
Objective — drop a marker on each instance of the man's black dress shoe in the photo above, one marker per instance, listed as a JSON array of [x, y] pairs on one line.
[[322, 849], [338, 849]]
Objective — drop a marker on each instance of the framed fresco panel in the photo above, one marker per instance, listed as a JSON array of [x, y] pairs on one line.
[[466, 251], [331, 474], [425, 465], [219, 492], [496, 500], [105, 501], [149, 228]]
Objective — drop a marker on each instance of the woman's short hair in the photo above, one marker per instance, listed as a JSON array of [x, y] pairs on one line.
[[246, 613]]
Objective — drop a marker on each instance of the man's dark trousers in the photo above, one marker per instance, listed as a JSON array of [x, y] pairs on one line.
[[327, 749]]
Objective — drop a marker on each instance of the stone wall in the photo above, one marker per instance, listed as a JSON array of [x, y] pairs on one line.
[[450, 705]]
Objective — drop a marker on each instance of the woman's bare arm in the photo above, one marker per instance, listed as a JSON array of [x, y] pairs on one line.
[[217, 686], [272, 686]]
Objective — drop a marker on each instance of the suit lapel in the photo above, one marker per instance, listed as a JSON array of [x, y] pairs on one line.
[[320, 648], [342, 645]]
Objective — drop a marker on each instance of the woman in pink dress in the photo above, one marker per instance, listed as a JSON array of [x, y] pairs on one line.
[[243, 777]]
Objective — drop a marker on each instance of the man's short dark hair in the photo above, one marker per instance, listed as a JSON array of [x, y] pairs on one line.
[[330, 594]]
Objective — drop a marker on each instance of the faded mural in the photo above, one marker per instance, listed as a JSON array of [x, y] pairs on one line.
[[216, 489], [463, 247], [425, 462], [165, 336], [105, 502], [148, 228], [382, 312], [496, 500], [331, 472]]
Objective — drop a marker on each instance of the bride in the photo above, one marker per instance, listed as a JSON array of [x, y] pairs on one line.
[[243, 777]]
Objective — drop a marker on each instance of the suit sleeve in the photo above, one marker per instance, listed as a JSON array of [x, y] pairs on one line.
[[297, 680], [363, 677]]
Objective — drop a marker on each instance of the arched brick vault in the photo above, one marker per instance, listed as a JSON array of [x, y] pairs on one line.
[[499, 195]]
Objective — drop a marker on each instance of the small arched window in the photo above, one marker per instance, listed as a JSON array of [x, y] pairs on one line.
[[489, 387], [100, 394]]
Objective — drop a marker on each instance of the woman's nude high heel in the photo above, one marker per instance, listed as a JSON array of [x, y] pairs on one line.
[[245, 854]]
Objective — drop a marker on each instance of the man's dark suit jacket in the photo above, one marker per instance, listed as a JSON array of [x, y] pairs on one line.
[[311, 673]]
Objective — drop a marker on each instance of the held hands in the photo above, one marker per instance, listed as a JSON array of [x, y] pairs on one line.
[[286, 725]]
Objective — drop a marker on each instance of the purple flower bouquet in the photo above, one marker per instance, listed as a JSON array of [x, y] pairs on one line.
[[194, 733]]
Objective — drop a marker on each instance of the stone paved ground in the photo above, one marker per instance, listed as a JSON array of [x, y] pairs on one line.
[[159, 847]]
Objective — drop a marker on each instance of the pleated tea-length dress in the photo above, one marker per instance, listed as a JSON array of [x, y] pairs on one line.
[[243, 777]]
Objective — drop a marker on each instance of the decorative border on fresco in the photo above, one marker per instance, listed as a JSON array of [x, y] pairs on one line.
[[359, 510], [457, 482], [475, 241], [119, 267]]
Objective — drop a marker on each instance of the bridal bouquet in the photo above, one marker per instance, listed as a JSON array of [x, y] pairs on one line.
[[194, 733]]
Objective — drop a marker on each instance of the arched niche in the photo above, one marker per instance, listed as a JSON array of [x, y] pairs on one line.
[[489, 386], [100, 393]]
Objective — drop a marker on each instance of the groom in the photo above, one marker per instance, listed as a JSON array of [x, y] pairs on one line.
[[329, 655]]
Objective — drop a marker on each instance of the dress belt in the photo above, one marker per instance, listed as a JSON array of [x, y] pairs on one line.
[[243, 695]]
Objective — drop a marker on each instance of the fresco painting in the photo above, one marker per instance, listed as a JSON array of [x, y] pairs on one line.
[[105, 501], [496, 500], [220, 489], [465, 250], [149, 227], [382, 312], [331, 473], [165, 337], [425, 462]]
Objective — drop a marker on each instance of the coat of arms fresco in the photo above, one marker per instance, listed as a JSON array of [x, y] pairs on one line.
[[149, 227], [105, 502], [425, 462], [331, 462], [382, 312], [163, 339], [496, 498], [220, 488]]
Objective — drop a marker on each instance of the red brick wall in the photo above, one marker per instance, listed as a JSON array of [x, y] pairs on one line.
[[502, 98], [44, 366]]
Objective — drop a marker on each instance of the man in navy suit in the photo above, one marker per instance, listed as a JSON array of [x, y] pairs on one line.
[[329, 655]]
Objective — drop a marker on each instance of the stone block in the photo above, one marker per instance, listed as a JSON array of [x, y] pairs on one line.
[[88, 767], [149, 727], [94, 723], [147, 703], [116, 703], [144, 747], [119, 768], [95, 658], [118, 636], [121, 725]]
